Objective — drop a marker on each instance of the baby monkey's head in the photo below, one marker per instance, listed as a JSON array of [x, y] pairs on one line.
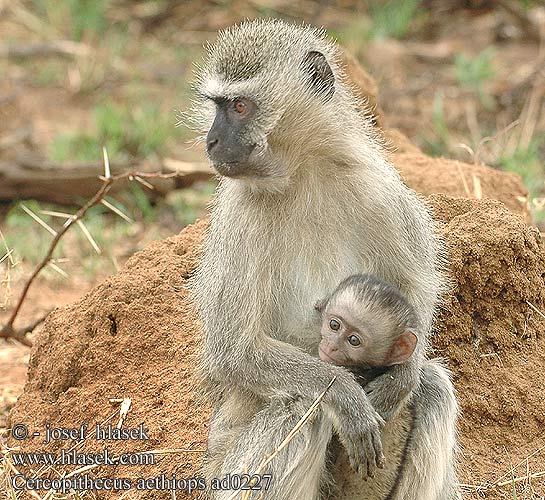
[[366, 323]]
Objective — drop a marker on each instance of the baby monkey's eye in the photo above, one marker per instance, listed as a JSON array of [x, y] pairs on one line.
[[354, 341], [334, 324]]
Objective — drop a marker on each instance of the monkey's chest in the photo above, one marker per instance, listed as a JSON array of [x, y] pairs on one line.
[[309, 278]]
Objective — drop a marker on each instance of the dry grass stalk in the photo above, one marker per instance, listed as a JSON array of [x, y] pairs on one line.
[[502, 481], [261, 467], [497, 141], [536, 309], [477, 189], [123, 411], [6, 280], [464, 182]]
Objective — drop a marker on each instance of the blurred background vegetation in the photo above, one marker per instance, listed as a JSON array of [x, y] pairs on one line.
[[462, 79]]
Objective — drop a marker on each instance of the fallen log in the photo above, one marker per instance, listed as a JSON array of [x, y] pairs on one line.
[[30, 176]]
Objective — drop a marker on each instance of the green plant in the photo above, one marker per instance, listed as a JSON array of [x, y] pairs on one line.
[[187, 204], [387, 19], [474, 72], [74, 147], [88, 16], [49, 74], [392, 19], [78, 19], [438, 145], [528, 163], [142, 203], [137, 131]]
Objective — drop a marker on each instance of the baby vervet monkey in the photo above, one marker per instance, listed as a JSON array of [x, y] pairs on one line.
[[367, 327]]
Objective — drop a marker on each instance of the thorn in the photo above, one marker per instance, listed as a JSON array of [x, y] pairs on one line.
[[88, 236], [107, 173], [143, 182], [55, 214], [116, 210], [54, 266], [38, 220], [8, 254]]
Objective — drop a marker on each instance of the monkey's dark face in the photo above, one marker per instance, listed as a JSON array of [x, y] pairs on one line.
[[262, 103], [227, 141]]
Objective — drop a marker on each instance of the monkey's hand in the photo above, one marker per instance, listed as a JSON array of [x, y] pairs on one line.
[[388, 392], [358, 426]]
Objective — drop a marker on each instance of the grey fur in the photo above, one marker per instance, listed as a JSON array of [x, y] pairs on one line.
[[426, 470], [379, 296], [322, 203], [417, 436]]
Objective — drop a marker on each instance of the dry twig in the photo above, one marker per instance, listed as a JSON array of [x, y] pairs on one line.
[[55, 48]]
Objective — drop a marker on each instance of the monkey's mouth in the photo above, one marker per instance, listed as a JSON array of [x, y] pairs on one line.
[[228, 168], [325, 357], [235, 170], [238, 169]]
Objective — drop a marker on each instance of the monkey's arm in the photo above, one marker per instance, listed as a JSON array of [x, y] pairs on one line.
[[413, 266], [271, 368], [389, 391]]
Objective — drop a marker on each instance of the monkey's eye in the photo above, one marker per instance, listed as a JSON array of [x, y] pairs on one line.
[[240, 106], [354, 341], [334, 324]]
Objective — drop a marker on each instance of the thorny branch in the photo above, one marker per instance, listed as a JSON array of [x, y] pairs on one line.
[[20, 334]]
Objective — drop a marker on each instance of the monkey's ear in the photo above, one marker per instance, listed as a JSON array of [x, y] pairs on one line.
[[320, 305], [322, 78], [402, 348]]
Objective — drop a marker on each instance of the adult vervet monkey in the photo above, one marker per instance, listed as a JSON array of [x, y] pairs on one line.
[[306, 198]]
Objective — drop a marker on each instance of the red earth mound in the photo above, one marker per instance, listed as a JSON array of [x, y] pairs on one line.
[[136, 336], [492, 331], [462, 180]]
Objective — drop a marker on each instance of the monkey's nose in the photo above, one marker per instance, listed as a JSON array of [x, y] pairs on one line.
[[210, 143]]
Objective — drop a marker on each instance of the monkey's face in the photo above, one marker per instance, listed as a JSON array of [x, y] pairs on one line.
[[240, 130], [342, 344], [260, 99], [228, 142]]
